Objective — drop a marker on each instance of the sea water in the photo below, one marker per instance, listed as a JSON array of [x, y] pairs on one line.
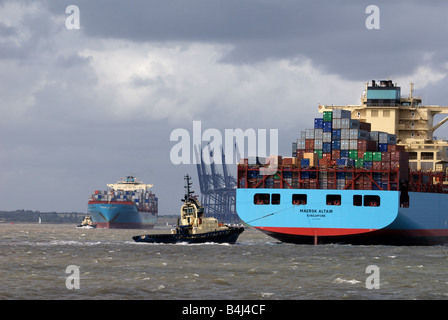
[[59, 261]]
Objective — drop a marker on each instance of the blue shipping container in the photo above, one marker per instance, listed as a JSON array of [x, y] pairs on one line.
[[336, 144], [344, 153], [340, 175], [318, 123], [345, 162], [327, 126], [382, 147], [305, 162], [368, 165], [326, 147], [336, 133], [287, 174], [376, 176], [252, 174]]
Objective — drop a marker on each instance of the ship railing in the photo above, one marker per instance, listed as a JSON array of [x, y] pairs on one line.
[[345, 178], [330, 177]]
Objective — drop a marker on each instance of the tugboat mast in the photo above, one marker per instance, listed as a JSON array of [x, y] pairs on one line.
[[187, 186]]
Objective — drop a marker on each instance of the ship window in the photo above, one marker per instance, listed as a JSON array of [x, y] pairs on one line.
[[357, 200], [275, 198], [371, 201], [333, 199], [299, 199], [427, 156], [261, 198], [412, 155]]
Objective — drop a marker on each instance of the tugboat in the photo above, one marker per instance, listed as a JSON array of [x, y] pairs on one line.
[[193, 227], [87, 223]]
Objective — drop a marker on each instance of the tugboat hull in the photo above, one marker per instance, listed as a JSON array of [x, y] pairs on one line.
[[226, 236]]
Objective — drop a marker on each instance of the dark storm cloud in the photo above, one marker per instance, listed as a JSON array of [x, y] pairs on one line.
[[80, 108], [330, 33]]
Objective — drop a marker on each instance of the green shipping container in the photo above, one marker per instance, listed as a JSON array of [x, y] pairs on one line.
[[328, 115], [320, 154], [353, 154], [359, 163], [376, 156], [368, 156]]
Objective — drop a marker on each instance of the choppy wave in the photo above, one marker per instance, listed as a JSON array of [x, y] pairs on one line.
[[33, 262]]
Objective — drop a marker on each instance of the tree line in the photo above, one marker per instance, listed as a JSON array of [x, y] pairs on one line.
[[45, 217]]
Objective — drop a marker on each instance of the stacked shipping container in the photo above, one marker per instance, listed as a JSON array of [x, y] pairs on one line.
[[144, 200], [338, 153]]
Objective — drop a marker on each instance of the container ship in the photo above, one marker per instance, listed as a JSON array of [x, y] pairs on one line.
[[364, 174], [127, 204]]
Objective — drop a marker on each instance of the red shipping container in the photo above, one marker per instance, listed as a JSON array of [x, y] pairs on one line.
[[323, 162], [385, 165], [335, 154], [362, 145], [309, 144], [394, 165], [360, 154], [376, 165], [358, 185], [394, 147], [385, 156], [300, 154], [395, 155]]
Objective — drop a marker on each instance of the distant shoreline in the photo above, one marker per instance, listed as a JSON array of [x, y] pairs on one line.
[[47, 217]]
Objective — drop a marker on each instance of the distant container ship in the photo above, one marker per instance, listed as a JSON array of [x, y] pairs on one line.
[[365, 174], [128, 204]]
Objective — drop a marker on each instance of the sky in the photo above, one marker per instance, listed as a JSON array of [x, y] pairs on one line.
[[80, 108]]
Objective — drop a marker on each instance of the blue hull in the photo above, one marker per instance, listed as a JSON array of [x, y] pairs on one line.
[[120, 216], [354, 219]]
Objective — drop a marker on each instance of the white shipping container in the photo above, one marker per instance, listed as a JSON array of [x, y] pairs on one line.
[[339, 113], [359, 134], [326, 137], [374, 135], [345, 144], [345, 133], [382, 137], [336, 123], [309, 133]]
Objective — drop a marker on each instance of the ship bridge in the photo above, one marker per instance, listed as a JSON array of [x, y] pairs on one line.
[[129, 184]]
